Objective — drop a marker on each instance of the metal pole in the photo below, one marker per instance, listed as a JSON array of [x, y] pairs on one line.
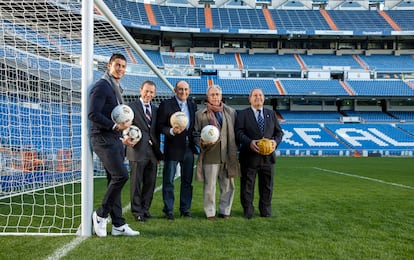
[[87, 81]]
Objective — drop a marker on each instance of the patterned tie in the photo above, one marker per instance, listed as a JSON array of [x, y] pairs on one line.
[[260, 120], [148, 114]]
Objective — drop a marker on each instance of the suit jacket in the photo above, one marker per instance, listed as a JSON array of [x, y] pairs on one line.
[[174, 146], [102, 100], [150, 137], [247, 130]]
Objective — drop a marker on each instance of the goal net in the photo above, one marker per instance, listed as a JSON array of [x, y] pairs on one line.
[[40, 110]]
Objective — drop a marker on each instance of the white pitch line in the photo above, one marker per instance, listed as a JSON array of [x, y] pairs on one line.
[[63, 251], [366, 178]]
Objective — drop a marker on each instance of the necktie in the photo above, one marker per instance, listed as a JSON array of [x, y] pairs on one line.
[[260, 120], [148, 114]]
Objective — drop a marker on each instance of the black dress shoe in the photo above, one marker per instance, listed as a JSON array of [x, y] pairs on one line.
[[169, 216], [139, 218], [186, 214], [266, 215], [248, 215], [147, 215]]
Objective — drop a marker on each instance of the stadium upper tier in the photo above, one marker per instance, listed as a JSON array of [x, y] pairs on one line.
[[265, 61], [262, 21], [235, 86]]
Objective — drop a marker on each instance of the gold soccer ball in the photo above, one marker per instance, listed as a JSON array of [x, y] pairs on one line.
[[265, 146]]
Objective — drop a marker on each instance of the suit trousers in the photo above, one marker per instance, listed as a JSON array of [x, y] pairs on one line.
[[265, 174], [111, 152], [214, 173], [143, 179]]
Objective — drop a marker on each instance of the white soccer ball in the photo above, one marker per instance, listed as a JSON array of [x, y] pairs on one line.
[[134, 132], [210, 134], [122, 114], [179, 119]]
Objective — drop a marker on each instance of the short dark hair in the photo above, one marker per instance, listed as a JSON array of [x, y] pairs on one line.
[[117, 56], [149, 82]]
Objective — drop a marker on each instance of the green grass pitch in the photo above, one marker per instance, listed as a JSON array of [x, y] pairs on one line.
[[323, 208]]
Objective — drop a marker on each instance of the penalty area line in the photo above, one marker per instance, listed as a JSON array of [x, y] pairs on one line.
[[365, 178]]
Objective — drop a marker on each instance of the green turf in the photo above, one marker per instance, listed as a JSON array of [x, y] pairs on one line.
[[321, 210]]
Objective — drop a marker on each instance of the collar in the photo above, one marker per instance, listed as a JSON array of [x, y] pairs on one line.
[[143, 103], [255, 109], [180, 102]]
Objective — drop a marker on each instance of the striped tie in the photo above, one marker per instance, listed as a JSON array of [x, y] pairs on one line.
[[148, 114]]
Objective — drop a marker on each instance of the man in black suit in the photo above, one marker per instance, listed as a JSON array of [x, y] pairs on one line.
[[252, 124], [179, 148], [106, 142], [145, 155]]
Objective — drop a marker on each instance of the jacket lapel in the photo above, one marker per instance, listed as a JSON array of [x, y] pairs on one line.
[[142, 113]]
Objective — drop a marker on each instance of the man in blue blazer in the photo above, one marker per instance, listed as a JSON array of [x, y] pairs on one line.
[[248, 132], [145, 155], [179, 148]]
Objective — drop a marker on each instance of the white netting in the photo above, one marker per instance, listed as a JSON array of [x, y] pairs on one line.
[[40, 112]]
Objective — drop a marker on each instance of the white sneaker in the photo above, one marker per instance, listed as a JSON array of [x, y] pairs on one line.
[[124, 230], [99, 225]]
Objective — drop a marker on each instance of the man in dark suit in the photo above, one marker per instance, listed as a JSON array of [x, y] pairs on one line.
[[106, 142], [179, 148], [252, 124], [145, 155]]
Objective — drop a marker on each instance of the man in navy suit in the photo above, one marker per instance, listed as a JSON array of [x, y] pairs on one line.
[[179, 148], [145, 155], [106, 142], [252, 124]]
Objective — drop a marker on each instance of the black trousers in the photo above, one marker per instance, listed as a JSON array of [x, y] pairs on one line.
[[265, 174], [111, 152]]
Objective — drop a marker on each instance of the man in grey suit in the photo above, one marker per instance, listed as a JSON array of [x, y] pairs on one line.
[[145, 155], [217, 161], [252, 124]]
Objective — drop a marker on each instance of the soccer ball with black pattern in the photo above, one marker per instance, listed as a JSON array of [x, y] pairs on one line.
[[134, 132]]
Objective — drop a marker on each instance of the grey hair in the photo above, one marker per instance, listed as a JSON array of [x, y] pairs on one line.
[[214, 86], [253, 89]]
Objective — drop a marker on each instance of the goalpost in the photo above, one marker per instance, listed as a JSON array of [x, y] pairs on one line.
[[47, 67]]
